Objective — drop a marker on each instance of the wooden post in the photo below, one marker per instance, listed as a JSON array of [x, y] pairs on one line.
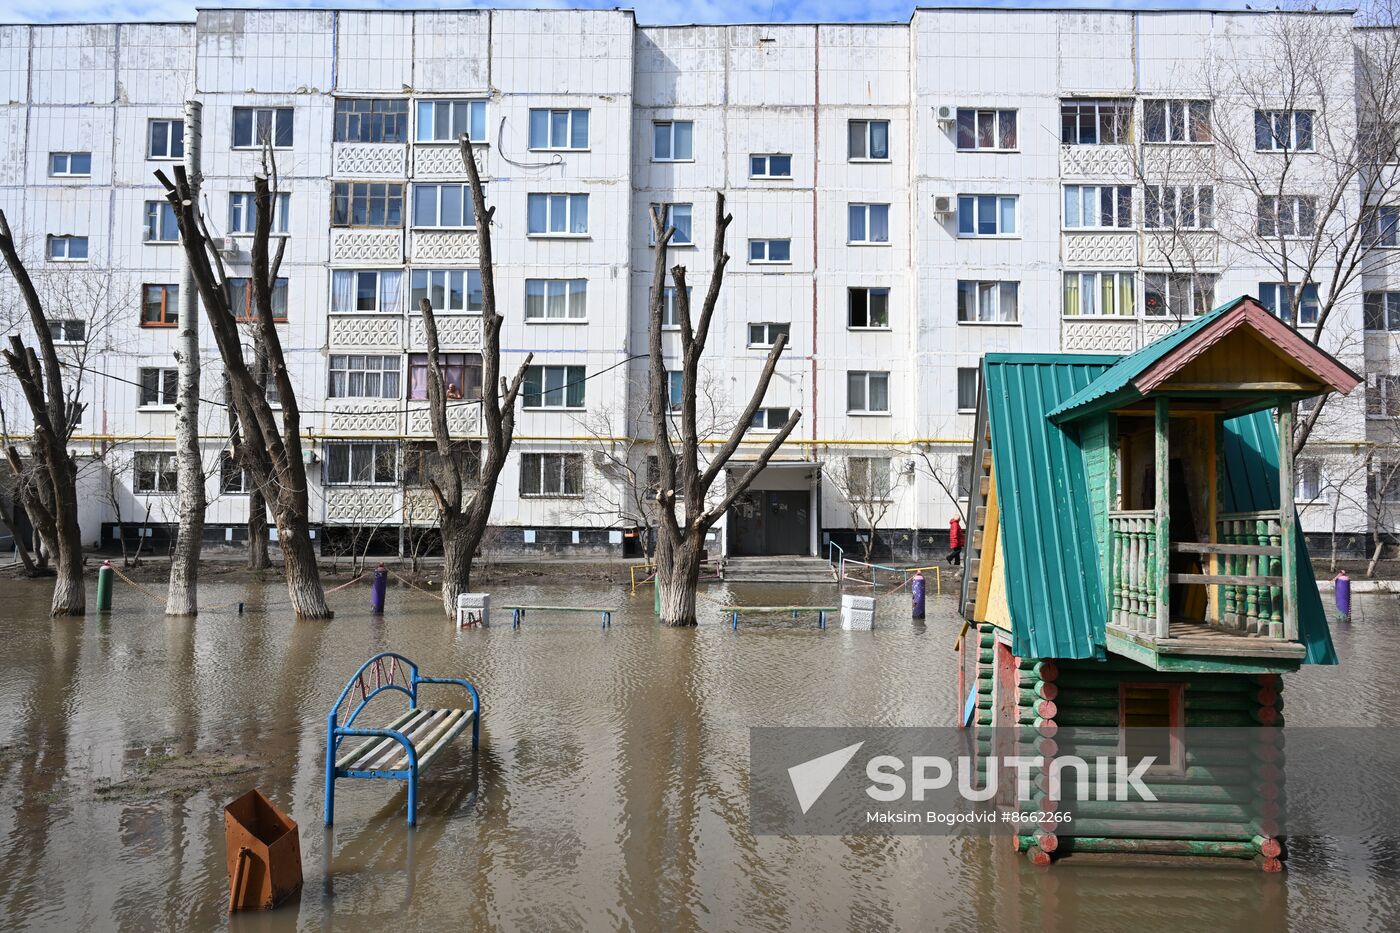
[[1163, 535], [1286, 517]]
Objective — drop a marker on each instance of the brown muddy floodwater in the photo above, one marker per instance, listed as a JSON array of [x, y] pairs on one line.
[[610, 791]]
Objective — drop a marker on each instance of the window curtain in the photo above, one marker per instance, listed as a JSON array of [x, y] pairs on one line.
[[390, 290], [342, 291]]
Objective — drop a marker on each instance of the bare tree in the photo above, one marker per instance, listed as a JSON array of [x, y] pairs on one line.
[[270, 452], [52, 501], [182, 595], [867, 486], [684, 512], [463, 501], [1301, 180]]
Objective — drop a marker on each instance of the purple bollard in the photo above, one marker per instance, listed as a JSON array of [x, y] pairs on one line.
[[1342, 582], [917, 589], [377, 590]]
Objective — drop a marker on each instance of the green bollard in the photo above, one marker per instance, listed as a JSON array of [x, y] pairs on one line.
[[104, 587], [656, 595]]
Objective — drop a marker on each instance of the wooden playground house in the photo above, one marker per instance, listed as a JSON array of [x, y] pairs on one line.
[[1135, 567]]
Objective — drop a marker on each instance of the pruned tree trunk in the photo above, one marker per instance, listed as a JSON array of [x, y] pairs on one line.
[[464, 520], [51, 499], [182, 596], [258, 558], [681, 537], [270, 451]]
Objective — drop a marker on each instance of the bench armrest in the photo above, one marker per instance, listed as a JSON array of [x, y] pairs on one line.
[[476, 698], [342, 731]]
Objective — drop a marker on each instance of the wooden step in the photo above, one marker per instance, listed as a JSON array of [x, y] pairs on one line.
[[984, 486]]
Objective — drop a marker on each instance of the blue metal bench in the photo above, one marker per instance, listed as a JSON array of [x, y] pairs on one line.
[[407, 745]]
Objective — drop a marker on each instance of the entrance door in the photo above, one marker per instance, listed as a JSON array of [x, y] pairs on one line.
[[770, 522]]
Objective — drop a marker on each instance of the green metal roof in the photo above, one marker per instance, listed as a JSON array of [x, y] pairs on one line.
[[1054, 587], [1251, 474], [1120, 377], [1053, 584]]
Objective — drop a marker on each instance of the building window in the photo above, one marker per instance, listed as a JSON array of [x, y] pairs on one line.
[[233, 479], [361, 463], [868, 308], [240, 300], [444, 121], [867, 393], [1380, 141], [1292, 215], [371, 120], [677, 216], [243, 212], [1177, 294], [868, 478], [161, 226], [558, 129], [867, 223], [444, 206], [363, 376], [1282, 130], [1098, 207], [557, 215], [986, 215], [165, 139], [1382, 225], [964, 477], [1383, 396], [421, 462], [554, 386], [257, 126], [770, 251], [70, 164], [1150, 718], [670, 313], [158, 386], [160, 305], [1382, 310], [773, 165], [155, 472], [1278, 298], [551, 474], [672, 141], [448, 290], [1178, 207], [1090, 294], [1096, 122], [356, 290], [986, 129], [764, 336], [768, 419], [366, 204], [868, 140], [68, 330], [967, 388], [1307, 480], [675, 389], [67, 248], [461, 375], [988, 302], [1176, 121], [556, 299]]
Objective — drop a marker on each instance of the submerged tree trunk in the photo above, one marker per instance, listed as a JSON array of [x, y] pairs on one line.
[[182, 596], [257, 531], [457, 553], [300, 567], [679, 587]]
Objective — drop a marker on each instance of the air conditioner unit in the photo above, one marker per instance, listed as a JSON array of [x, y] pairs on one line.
[[946, 204], [226, 245], [945, 114]]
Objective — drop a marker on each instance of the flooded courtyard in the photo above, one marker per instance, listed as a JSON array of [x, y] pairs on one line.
[[610, 790]]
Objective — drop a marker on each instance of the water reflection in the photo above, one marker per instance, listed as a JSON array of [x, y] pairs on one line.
[[609, 791]]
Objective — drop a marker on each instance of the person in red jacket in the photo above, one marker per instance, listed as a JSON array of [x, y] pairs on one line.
[[955, 541]]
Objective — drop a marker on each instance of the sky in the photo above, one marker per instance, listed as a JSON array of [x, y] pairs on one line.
[[648, 11]]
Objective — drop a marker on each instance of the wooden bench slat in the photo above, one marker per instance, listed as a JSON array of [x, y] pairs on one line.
[[556, 609], [395, 758], [388, 748], [444, 736], [363, 749]]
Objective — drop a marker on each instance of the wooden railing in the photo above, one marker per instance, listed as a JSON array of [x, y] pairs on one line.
[[1251, 567], [1133, 570], [1248, 570]]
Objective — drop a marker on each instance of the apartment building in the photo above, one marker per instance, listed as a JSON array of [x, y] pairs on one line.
[[906, 198]]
